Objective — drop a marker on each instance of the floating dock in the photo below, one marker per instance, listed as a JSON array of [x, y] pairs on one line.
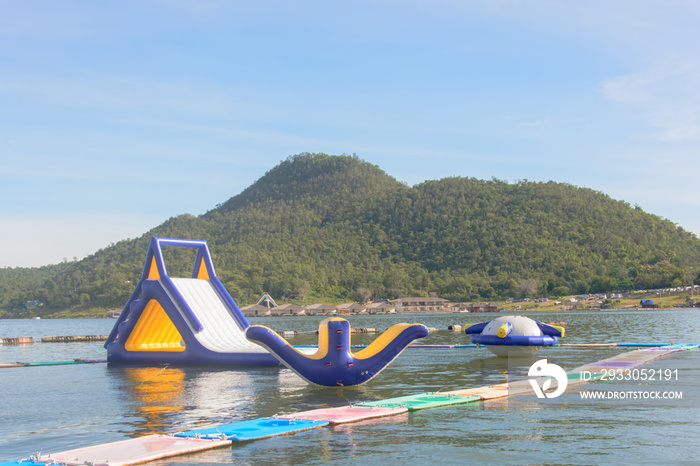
[[17, 341], [73, 338], [55, 339]]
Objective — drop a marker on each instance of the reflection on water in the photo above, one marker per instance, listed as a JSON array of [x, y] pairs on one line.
[[345, 439], [167, 398], [155, 393]]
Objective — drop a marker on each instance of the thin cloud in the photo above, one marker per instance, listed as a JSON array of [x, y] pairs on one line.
[[668, 95]]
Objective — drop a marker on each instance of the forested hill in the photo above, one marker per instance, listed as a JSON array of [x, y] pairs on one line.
[[336, 228]]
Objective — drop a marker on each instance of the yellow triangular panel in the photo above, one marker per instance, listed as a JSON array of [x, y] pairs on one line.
[[153, 271], [203, 274], [154, 331]]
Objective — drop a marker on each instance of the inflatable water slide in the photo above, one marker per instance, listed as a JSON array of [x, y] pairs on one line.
[[190, 320]]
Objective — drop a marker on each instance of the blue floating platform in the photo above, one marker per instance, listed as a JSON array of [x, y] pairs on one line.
[[254, 429], [24, 463]]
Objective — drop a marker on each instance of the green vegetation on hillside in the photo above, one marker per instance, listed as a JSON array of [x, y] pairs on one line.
[[336, 228]]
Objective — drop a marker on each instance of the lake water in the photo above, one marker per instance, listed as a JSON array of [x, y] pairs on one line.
[[56, 408]]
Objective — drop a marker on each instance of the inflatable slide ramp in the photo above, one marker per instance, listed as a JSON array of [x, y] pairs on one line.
[[182, 320]]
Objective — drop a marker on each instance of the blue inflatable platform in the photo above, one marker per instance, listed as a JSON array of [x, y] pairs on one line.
[[253, 429]]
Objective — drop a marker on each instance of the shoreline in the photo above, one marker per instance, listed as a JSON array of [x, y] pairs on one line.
[[425, 313]]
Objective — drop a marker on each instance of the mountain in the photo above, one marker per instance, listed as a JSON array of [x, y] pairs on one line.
[[336, 228]]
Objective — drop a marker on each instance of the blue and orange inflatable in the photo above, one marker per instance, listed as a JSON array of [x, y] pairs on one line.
[[334, 364], [182, 320]]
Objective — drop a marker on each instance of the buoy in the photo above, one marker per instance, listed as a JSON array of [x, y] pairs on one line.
[[454, 328], [432, 329]]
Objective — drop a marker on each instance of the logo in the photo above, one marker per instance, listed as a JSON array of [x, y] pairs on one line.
[[542, 369]]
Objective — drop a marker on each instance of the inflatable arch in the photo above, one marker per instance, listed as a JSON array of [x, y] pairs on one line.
[[333, 364], [182, 320]]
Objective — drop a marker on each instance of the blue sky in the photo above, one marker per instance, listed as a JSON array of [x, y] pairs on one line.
[[115, 116]]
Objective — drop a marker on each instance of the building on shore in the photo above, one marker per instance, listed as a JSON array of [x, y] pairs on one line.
[[255, 310], [268, 308], [347, 309], [321, 309], [381, 307], [482, 307], [421, 305], [288, 310]]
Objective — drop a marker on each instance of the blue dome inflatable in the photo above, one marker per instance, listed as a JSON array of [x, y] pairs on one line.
[[514, 335]]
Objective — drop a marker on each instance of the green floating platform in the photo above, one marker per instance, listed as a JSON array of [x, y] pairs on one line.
[[683, 346], [421, 401], [50, 363], [55, 363]]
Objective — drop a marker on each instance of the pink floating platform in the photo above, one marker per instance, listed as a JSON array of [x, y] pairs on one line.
[[10, 364], [344, 414], [133, 451]]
